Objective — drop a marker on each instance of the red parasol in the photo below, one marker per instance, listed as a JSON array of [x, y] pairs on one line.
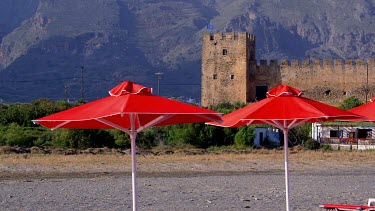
[[130, 108], [366, 110], [285, 109]]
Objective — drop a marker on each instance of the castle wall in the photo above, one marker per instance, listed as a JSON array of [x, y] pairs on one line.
[[225, 73], [266, 74], [329, 81]]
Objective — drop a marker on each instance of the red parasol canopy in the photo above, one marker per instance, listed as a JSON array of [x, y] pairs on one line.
[[284, 104], [367, 110], [130, 108], [285, 109], [126, 99]]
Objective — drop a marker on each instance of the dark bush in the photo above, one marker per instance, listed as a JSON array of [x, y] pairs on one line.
[[312, 144], [122, 139], [151, 137], [82, 138]]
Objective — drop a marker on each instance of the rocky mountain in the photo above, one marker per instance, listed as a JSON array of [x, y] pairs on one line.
[[45, 43]]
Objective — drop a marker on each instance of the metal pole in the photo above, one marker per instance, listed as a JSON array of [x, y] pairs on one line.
[[82, 85], [159, 74], [66, 96], [285, 131], [133, 135], [366, 81]]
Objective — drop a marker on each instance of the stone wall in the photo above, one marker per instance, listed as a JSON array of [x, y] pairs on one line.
[[331, 81], [234, 77]]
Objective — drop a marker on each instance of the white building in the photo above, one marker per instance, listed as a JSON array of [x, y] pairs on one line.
[[344, 134]]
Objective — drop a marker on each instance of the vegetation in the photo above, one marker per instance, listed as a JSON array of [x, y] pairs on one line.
[[326, 147], [300, 134], [244, 137], [350, 102], [17, 129], [312, 144]]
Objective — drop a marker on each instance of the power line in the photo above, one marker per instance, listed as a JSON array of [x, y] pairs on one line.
[[34, 97], [33, 81]]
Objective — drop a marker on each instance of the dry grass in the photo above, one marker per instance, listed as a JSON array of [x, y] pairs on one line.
[[112, 161]]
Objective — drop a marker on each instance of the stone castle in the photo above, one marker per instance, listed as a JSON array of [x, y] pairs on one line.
[[231, 74]]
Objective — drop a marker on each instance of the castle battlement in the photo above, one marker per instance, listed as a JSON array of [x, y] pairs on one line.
[[322, 63], [229, 36]]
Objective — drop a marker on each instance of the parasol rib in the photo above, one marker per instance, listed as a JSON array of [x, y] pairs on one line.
[[60, 125], [155, 121], [113, 125]]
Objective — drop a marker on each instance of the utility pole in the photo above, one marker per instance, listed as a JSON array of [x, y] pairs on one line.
[[66, 95], [159, 74], [82, 85]]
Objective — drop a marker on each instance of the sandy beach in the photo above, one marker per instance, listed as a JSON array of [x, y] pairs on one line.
[[251, 181]]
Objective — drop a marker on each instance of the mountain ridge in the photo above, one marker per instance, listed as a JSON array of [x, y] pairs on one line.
[[132, 40]]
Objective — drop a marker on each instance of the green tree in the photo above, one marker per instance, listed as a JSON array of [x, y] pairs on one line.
[[350, 102]]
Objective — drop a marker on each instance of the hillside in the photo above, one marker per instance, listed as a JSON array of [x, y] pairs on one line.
[[44, 43]]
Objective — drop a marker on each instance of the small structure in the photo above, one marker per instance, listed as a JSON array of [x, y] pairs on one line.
[[266, 137], [344, 136]]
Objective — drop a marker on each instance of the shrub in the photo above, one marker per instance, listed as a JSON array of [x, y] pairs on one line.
[[122, 139], [300, 133], [151, 137], [198, 135], [244, 137], [350, 102], [178, 135], [82, 138], [326, 147], [312, 144], [16, 136], [3, 135]]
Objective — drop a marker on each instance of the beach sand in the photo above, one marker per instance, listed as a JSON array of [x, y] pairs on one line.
[[225, 181]]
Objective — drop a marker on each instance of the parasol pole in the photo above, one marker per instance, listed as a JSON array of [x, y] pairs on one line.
[[285, 131], [133, 135]]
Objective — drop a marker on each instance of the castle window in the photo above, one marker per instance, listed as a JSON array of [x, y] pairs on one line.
[[211, 37], [328, 92], [232, 76], [214, 76], [344, 93], [225, 52]]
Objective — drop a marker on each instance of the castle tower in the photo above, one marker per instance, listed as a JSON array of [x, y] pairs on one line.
[[227, 60]]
